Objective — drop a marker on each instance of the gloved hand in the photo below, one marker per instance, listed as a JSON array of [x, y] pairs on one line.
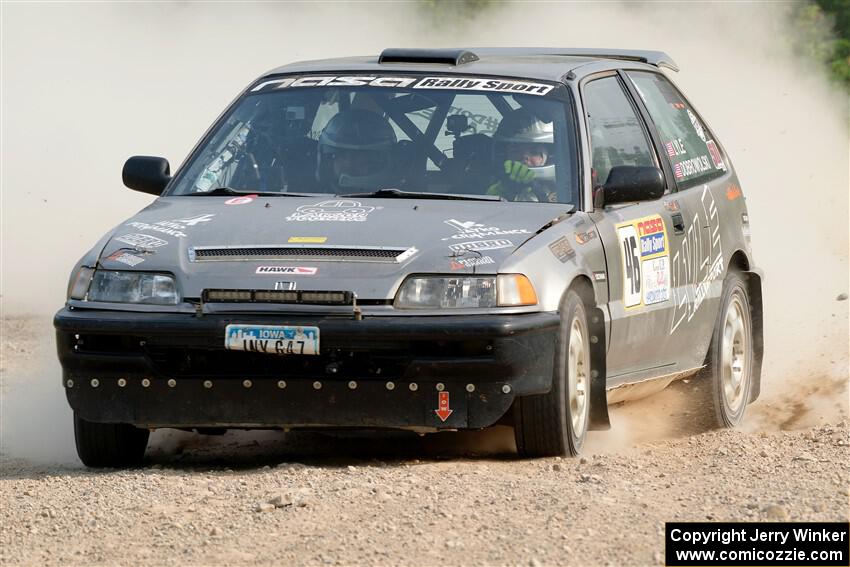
[[515, 183], [518, 172]]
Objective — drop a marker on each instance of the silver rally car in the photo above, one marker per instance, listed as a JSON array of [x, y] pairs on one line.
[[423, 240]]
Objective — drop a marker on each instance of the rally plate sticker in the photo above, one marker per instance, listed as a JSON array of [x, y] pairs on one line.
[[272, 339]]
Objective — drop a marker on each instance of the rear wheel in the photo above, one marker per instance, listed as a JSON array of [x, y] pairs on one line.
[[724, 385], [555, 423], [109, 444]]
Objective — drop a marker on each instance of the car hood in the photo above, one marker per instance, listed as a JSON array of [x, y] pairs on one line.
[[362, 245]]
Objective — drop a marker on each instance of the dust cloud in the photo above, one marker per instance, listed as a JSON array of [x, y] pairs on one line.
[[84, 86]]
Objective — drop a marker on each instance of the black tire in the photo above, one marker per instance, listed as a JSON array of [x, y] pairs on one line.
[[115, 445], [543, 424], [720, 397]]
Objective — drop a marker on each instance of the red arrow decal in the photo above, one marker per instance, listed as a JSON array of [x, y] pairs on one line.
[[443, 412]]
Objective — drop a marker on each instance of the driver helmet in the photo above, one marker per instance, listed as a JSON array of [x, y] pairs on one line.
[[523, 137], [354, 150]]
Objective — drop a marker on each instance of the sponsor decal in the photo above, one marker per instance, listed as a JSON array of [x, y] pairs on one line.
[[714, 152], [472, 229], [125, 258], [241, 200], [672, 206], [656, 280], [307, 239], [733, 192], [332, 211], [172, 227], [689, 167], [585, 237], [459, 83], [334, 81], [190, 221], [696, 124], [293, 270], [698, 262], [644, 257], [461, 263], [479, 84], [562, 250], [652, 236], [142, 240], [495, 244], [599, 276], [678, 105], [669, 93], [675, 147]]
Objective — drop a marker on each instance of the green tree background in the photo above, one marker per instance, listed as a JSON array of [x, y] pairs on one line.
[[824, 35]]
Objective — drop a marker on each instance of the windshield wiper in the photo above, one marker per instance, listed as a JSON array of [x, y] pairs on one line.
[[399, 194], [227, 191]]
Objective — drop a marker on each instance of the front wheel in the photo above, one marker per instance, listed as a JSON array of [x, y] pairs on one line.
[[555, 423], [109, 444], [724, 384]]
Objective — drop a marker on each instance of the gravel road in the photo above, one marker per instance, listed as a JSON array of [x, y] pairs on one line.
[[267, 498]]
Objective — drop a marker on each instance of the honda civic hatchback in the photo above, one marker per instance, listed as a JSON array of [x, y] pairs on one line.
[[424, 240]]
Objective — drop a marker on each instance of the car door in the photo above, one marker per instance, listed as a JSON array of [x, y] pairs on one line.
[[636, 236], [702, 178]]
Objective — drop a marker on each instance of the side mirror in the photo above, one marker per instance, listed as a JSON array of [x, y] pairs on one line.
[[630, 183], [147, 174]]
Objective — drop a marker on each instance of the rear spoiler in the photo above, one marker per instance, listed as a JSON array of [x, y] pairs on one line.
[[657, 58]]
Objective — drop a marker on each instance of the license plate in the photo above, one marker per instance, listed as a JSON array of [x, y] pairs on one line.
[[272, 339]]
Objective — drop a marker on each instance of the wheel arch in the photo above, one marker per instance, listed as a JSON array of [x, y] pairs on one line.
[[740, 262], [598, 417]]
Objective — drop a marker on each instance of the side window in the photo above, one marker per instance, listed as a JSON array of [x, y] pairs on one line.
[[694, 155], [617, 136]]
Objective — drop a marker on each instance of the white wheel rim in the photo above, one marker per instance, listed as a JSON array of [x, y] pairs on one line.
[[578, 377], [734, 361]]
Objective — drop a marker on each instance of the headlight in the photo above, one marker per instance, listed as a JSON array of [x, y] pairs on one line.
[[79, 284], [132, 287], [434, 292]]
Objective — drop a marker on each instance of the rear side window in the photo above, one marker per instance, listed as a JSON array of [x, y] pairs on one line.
[[693, 153], [616, 134]]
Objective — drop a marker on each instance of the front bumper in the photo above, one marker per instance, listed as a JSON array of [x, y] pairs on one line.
[[171, 370]]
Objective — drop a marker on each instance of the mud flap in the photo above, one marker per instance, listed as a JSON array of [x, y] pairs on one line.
[[598, 418], [753, 280]]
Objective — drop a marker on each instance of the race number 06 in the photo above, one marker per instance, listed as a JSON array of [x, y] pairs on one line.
[[631, 265]]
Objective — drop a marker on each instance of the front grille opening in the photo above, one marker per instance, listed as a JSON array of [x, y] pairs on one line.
[[370, 360], [285, 297], [108, 344]]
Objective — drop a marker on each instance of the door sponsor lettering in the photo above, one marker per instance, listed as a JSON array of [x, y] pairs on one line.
[[698, 262]]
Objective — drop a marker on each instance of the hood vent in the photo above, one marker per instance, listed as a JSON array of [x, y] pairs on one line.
[[314, 253]]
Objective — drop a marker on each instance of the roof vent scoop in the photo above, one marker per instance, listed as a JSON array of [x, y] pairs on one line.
[[435, 56]]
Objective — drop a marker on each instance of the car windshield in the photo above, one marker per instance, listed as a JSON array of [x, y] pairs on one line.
[[391, 136]]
